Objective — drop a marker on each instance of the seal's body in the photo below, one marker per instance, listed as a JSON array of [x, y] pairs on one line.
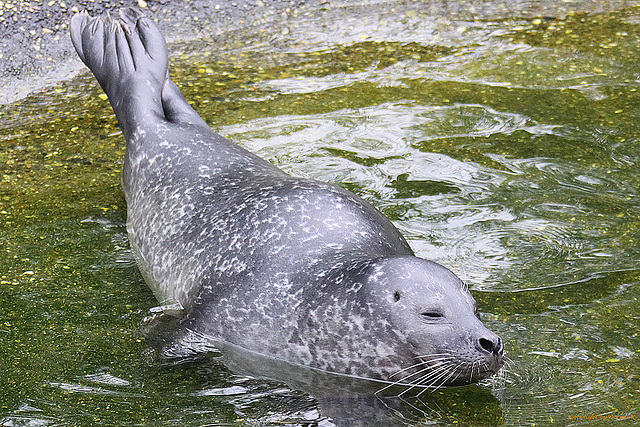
[[287, 267]]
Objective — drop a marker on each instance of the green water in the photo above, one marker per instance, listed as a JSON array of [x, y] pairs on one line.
[[505, 149]]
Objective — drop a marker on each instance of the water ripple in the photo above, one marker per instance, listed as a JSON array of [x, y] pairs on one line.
[[482, 220]]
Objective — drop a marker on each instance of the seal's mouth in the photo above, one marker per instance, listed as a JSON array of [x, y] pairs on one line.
[[494, 363], [478, 370]]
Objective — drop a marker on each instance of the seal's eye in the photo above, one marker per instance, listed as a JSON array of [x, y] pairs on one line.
[[396, 296], [431, 315]]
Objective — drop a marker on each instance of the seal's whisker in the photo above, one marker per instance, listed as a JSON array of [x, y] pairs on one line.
[[476, 365], [388, 386], [473, 366], [406, 379], [431, 367], [479, 364], [418, 364], [383, 389], [432, 378], [453, 371], [401, 380], [435, 372], [430, 370], [445, 378], [430, 387], [407, 368], [411, 384], [510, 363], [430, 356], [456, 377]]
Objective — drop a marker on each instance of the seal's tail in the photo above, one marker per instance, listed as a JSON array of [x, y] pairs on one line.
[[128, 56]]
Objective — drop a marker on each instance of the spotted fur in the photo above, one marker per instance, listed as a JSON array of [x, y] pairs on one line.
[[291, 268]]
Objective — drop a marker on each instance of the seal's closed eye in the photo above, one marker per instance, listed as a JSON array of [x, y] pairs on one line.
[[431, 314]]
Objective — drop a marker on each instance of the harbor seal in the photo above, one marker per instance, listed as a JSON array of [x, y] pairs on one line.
[[291, 268]]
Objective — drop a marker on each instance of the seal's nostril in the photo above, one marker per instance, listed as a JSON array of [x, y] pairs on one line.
[[492, 346], [486, 344]]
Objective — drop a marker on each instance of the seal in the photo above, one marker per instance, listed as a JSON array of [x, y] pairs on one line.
[[291, 268]]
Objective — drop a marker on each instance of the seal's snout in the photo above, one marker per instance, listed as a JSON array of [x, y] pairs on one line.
[[492, 346]]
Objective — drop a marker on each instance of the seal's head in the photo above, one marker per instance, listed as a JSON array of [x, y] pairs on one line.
[[402, 320], [434, 312]]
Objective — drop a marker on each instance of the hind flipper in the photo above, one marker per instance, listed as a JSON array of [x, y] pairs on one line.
[[78, 23], [176, 107], [128, 56]]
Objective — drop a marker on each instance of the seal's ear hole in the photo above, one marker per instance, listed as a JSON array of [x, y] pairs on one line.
[[396, 296]]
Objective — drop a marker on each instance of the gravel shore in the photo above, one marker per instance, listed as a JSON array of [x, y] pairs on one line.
[[36, 52], [35, 49]]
